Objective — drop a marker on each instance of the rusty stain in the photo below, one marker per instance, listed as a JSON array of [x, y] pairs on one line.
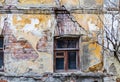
[[118, 80]]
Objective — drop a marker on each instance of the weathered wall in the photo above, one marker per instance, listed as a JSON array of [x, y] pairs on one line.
[[29, 43], [28, 40], [53, 3], [92, 52], [111, 63], [52, 78]]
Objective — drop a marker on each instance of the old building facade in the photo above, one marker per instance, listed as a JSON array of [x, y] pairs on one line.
[[59, 41]]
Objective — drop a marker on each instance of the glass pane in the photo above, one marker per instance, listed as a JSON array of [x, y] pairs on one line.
[[1, 42], [61, 44], [1, 59], [59, 63], [71, 44], [71, 60], [64, 43]]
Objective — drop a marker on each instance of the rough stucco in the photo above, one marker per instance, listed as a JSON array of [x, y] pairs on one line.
[[109, 57], [25, 3], [54, 3], [29, 33], [91, 3], [36, 1], [90, 22], [20, 37], [25, 39], [35, 32], [83, 20]]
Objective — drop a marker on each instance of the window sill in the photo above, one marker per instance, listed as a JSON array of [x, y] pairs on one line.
[[2, 69], [62, 49], [60, 74], [2, 73], [73, 70]]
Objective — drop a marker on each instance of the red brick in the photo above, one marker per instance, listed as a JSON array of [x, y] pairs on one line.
[[3, 81]]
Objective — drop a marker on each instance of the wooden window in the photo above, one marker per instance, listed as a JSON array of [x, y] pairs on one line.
[[66, 54], [1, 52]]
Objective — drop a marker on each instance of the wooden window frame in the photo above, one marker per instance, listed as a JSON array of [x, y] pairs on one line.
[[65, 51]]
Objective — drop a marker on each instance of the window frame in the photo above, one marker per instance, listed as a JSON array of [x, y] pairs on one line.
[[65, 51]]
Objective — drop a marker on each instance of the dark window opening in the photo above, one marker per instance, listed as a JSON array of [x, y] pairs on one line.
[[1, 53], [1, 42], [66, 43], [95, 81], [66, 54], [59, 63], [1, 59], [72, 60]]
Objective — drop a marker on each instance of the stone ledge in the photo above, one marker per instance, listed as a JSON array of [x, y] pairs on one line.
[[50, 10], [56, 75], [80, 74]]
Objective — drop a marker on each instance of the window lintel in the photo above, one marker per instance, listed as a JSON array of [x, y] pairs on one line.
[[67, 36]]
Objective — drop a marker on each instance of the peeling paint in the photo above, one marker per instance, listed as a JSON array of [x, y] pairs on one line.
[[29, 41]]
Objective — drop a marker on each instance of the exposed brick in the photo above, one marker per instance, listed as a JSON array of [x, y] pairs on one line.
[[3, 81]]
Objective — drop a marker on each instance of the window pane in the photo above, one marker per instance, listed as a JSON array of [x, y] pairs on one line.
[[59, 63], [71, 60], [61, 44], [64, 43], [71, 44], [1, 42], [1, 59]]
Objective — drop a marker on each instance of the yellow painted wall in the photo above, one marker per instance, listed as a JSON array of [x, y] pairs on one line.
[[71, 3], [83, 19], [1, 1], [36, 2]]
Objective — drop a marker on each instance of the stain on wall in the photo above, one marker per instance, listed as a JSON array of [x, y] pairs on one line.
[[29, 38], [20, 46], [26, 33]]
